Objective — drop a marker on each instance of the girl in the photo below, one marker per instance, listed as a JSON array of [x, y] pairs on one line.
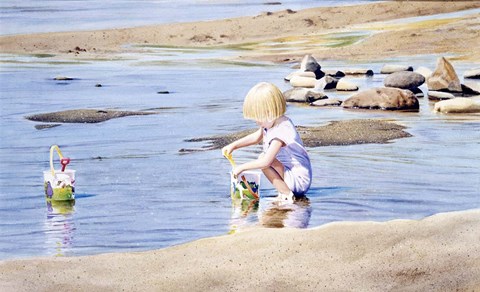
[[284, 160]]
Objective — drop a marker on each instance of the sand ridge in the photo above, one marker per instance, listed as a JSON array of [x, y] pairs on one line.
[[441, 252]]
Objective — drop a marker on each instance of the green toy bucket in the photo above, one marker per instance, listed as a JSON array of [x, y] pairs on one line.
[[246, 185], [59, 183]]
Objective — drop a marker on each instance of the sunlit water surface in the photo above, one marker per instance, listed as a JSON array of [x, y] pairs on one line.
[[135, 191]]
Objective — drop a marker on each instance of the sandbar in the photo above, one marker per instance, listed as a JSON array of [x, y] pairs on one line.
[[438, 253]]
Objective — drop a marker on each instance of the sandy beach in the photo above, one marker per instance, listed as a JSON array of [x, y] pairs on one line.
[[438, 253], [293, 34]]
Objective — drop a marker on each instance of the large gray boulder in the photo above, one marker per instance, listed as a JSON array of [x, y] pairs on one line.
[[457, 105], [300, 94], [404, 80], [444, 78], [384, 99]]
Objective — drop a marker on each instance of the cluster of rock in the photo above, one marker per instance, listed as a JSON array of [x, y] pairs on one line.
[[401, 91]]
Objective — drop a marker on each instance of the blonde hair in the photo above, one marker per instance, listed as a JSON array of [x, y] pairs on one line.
[[264, 103]]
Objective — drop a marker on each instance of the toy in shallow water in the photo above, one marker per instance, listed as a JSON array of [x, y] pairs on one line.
[[247, 188], [248, 185], [59, 184]]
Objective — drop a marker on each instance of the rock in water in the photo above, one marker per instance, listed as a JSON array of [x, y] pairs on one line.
[[444, 78], [301, 81], [473, 73], [457, 105], [303, 95], [424, 71], [388, 69], [83, 116], [357, 71], [309, 64], [404, 80], [439, 95], [300, 73], [327, 102], [383, 98], [345, 85], [326, 82]]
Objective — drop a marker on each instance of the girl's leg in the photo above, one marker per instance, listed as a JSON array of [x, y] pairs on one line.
[[275, 174]]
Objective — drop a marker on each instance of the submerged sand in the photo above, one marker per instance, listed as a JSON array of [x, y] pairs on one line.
[[338, 133], [346, 33], [438, 253]]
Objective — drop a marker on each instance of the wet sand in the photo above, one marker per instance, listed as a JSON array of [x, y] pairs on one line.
[[438, 253], [325, 32], [338, 133]]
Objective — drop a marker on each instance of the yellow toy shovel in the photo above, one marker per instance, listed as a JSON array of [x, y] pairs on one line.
[[237, 184]]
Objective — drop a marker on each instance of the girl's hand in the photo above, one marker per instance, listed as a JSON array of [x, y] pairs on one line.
[[236, 171], [227, 150]]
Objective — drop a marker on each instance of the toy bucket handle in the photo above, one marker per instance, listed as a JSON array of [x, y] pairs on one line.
[[54, 147]]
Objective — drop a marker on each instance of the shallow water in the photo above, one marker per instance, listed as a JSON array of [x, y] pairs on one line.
[[135, 191]]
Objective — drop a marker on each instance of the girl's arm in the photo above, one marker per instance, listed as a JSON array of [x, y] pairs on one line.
[[251, 139], [263, 161]]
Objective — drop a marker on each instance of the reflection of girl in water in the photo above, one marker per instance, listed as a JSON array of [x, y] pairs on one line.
[[278, 215], [270, 213]]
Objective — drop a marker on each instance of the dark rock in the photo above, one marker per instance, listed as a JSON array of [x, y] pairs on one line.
[[310, 64], [46, 126], [470, 89], [384, 99], [404, 80], [327, 82], [83, 116], [417, 92], [334, 73]]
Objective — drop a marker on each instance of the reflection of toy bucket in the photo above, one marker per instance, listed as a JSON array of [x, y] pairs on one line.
[[239, 190], [59, 184]]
